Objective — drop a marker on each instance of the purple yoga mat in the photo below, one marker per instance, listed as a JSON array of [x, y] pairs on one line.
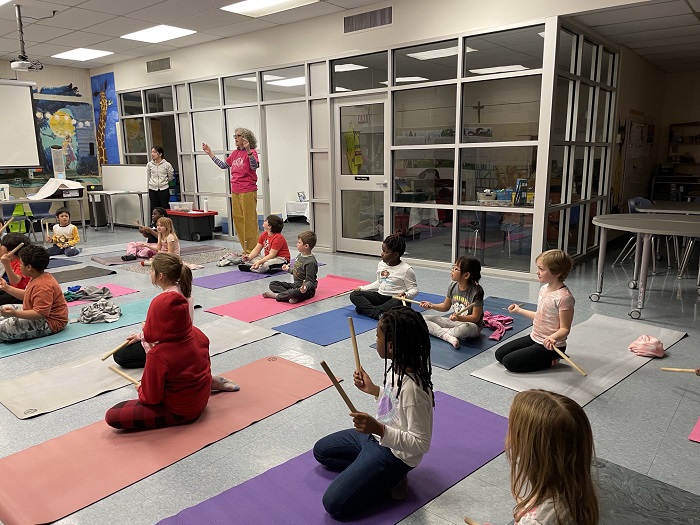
[[465, 437], [229, 278]]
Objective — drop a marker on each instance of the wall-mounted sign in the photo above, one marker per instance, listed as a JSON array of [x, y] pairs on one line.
[[361, 178]]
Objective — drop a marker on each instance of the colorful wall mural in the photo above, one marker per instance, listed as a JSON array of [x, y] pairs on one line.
[[104, 100]]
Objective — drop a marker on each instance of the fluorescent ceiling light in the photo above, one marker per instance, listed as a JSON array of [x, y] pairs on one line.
[[342, 68], [434, 53], [541, 34], [338, 88], [257, 8], [265, 78], [499, 69], [82, 54], [288, 82], [158, 34], [410, 79], [2, 2]]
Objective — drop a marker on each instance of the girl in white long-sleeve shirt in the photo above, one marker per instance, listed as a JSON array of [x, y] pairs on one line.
[[394, 278], [376, 456]]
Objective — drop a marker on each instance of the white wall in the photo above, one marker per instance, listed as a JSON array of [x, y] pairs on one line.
[[53, 76], [414, 20]]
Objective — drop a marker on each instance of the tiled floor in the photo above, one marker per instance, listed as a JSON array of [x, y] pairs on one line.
[[641, 424]]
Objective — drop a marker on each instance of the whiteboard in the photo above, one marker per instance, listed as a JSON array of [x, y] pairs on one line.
[[128, 177], [19, 147]]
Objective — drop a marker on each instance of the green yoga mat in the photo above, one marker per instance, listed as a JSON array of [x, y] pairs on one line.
[[132, 313]]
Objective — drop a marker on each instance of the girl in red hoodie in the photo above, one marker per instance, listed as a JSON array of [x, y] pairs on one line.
[[177, 378]]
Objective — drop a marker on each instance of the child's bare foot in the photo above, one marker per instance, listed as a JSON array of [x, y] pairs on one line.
[[269, 295], [223, 384], [293, 301]]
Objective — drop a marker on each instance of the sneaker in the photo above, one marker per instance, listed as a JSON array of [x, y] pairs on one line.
[[399, 492], [230, 259], [128, 257]]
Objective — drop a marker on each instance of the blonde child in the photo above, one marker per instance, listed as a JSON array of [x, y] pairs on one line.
[[137, 249], [375, 457], [550, 449], [16, 281], [177, 376], [394, 278], [466, 298], [43, 310], [551, 323], [271, 251], [167, 239], [305, 271], [65, 235]]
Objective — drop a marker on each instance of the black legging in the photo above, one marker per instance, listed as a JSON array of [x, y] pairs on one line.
[[131, 356], [159, 198], [371, 303], [524, 355]]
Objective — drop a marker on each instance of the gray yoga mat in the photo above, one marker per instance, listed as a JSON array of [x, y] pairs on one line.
[[70, 383], [600, 347], [80, 274], [113, 259]]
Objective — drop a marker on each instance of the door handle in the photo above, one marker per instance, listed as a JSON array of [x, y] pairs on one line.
[[383, 183]]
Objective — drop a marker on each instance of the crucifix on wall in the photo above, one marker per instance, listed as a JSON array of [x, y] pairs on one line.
[[478, 109]]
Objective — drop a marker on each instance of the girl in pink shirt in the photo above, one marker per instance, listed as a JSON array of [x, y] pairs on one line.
[[551, 323]]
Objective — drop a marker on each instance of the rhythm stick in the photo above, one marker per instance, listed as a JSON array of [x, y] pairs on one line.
[[5, 225], [399, 298], [125, 376], [338, 387], [16, 249], [689, 370], [112, 352], [354, 344], [470, 521], [568, 360], [344, 293], [47, 230]]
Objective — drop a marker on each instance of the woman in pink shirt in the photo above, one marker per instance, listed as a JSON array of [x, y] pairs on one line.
[[551, 323], [242, 163]]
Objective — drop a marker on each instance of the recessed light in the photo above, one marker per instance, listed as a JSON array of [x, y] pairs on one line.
[[338, 88], [435, 53], [157, 34], [342, 68], [288, 82], [410, 79], [81, 54], [265, 78], [257, 8], [499, 69]]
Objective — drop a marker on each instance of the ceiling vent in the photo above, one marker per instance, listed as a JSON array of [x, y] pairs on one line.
[[161, 64], [368, 20]]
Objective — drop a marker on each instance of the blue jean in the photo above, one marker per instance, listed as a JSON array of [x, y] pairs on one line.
[[368, 471]]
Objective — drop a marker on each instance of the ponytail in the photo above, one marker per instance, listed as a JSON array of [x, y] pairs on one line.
[[174, 270]]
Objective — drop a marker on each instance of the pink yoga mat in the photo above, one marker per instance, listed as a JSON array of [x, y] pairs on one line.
[[256, 308], [117, 291], [49, 481], [695, 434]]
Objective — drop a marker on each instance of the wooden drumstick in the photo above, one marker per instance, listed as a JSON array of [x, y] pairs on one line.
[[404, 300], [688, 370], [344, 293], [112, 352], [5, 225], [568, 360], [16, 249], [125, 376], [470, 521], [351, 323], [47, 231], [338, 387]]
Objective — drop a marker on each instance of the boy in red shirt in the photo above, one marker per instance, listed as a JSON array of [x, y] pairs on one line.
[[44, 310], [276, 251], [13, 273]]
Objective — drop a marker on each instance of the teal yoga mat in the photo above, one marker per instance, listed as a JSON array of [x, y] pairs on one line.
[[132, 313]]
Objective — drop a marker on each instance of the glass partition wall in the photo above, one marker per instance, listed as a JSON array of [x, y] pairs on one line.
[[499, 143]]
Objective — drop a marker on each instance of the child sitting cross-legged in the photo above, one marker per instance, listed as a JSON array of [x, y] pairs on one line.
[[304, 271], [271, 252], [43, 310], [138, 249], [16, 281], [65, 235], [167, 239]]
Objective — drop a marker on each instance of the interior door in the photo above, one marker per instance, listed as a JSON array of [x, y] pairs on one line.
[[361, 170]]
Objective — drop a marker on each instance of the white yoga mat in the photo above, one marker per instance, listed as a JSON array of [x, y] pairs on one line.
[[64, 385], [599, 346]]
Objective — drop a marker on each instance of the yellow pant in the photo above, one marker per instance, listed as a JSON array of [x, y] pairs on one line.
[[245, 219]]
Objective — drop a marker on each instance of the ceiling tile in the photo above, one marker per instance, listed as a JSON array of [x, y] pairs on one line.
[[205, 22], [658, 34], [8, 27], [216, 4], [120, 7], [646, 25], [7, 45], [665, 42], [120, 26], [301, 13], [646, 11], [695, 4], [46, 50], [120, 45], [193, 40], [76, 18], [351, 4], [31, 9], [79, 39], [151, 49], [241, 28], [68, 3], [40, 33], [684, 51], [171, 12]]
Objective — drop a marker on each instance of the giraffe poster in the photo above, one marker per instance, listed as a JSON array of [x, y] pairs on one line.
[[104, 100], [69, 125]]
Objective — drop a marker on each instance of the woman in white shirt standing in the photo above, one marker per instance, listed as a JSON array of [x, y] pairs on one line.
[[160, 173]]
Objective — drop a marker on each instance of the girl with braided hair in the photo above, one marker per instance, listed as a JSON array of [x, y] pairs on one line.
[[375, 457], [394, 278]]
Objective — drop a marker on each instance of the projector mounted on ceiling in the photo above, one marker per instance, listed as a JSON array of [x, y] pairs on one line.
[[22, 62]]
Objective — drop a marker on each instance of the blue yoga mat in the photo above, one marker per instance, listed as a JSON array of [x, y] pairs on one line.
[[132, 313], [465, 437], [57, 263], [444, 355]]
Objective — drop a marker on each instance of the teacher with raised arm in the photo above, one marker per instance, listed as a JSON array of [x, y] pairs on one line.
[[160, 173], [243, 161]]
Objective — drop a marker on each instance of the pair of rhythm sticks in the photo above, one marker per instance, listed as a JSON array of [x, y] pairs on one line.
[[116, 370], [332, 377]]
